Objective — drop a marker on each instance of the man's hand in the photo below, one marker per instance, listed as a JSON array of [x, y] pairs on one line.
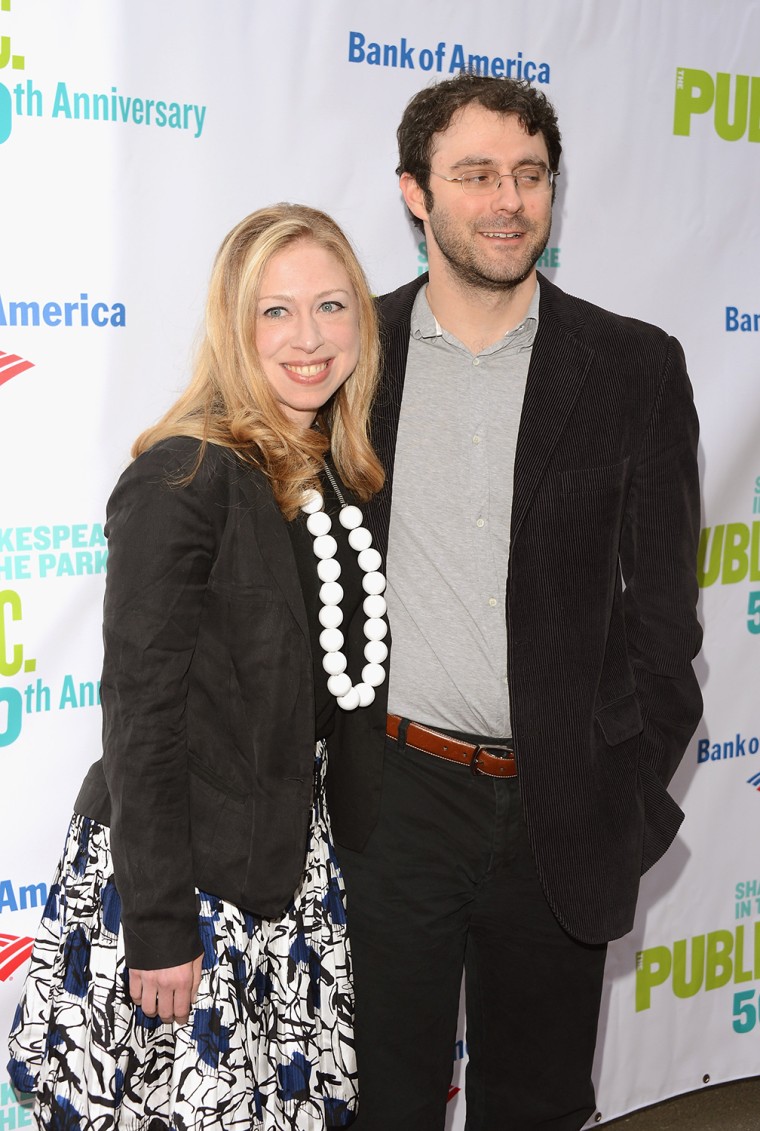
[[168, 993]]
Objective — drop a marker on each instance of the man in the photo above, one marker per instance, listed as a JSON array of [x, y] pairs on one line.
[[541, 518]]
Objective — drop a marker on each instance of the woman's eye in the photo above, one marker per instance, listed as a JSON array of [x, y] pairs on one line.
[[331, 306], [274, 312]]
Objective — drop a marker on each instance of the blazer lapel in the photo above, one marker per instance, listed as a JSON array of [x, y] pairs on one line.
[[395, 312], [558, 368], [275, 546]]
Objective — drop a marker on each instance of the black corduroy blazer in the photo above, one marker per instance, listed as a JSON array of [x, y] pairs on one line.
[[600, 603]]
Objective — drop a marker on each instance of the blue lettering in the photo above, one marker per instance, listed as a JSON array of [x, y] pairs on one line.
[[355, 50], [406, 55], [457, 59], [7, 896]]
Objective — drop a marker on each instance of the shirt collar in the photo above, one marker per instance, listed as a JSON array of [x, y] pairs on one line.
[[425, 325]]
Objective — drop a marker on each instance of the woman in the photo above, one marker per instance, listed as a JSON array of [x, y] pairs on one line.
[[192, 970]]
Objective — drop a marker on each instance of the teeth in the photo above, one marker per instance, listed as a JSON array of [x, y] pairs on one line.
[[308, 370], [501, 235]]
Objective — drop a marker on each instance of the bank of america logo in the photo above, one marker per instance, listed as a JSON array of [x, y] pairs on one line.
[[11, 365], [14, 952], [754, 781]]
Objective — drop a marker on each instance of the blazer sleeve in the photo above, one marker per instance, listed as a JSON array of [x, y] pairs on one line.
[[160, 551], [658, 560]]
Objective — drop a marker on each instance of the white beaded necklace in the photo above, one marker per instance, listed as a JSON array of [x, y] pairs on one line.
[[319, 524]]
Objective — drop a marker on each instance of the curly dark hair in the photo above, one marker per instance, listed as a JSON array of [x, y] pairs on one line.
[[431, 110]]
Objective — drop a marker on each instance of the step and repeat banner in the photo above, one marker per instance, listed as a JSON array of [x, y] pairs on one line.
[[134, 134]]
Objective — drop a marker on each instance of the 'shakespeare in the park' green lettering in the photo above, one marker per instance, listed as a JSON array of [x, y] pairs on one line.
[[701, 963]]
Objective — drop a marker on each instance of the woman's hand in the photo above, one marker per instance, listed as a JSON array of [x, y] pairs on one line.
[[169, 992]]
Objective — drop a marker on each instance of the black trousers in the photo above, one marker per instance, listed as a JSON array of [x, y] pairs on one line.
[[447, 884]]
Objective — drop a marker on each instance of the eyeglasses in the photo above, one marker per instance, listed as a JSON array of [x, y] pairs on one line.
[[484, 182]]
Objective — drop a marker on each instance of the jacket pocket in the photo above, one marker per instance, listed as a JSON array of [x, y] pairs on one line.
[[620, 719], [219, 825], [582, 480]]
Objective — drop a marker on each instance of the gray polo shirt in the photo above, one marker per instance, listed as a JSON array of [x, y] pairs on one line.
[[450, 519]]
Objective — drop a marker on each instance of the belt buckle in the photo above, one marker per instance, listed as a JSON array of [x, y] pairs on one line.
[[475, 769]]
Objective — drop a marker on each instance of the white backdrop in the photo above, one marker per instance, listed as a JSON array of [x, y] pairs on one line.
[[133, 135]]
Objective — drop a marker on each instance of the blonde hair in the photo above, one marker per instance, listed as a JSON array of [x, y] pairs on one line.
[[229, 400]]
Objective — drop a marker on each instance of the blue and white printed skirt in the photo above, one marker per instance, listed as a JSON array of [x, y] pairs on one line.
[[269, 1042]]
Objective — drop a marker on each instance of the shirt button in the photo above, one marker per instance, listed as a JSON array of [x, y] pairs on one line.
[[492, 602], [476, 439], [506, 680], [476, 361], [480, 522]]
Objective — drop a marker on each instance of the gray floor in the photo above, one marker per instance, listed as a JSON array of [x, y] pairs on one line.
[[726, 1107]]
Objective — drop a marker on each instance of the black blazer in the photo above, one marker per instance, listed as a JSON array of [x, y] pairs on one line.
[[208, 699], [600, 603]]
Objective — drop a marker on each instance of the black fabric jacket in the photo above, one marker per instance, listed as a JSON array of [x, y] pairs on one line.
[[600, 604]]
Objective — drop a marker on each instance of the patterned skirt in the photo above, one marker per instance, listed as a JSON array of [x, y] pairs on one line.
[[269, 1042]]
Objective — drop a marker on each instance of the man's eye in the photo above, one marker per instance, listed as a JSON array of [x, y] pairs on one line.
[[530, 177], [479, 178]]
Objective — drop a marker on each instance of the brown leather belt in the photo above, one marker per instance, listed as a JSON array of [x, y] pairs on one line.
[[494, 761]]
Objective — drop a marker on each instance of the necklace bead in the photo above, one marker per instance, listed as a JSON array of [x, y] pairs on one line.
[[375, 605], [331, 639], [330, 616], [375, 651], [370, 560], [334, 663], [373, 674], [350, 701], [328, 569], [331, 593], [366, 694], [318, 523], [375, 629], [312, 502], [359, 538], [338, 685], [325, 546], [373, 582], [350, 517]]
